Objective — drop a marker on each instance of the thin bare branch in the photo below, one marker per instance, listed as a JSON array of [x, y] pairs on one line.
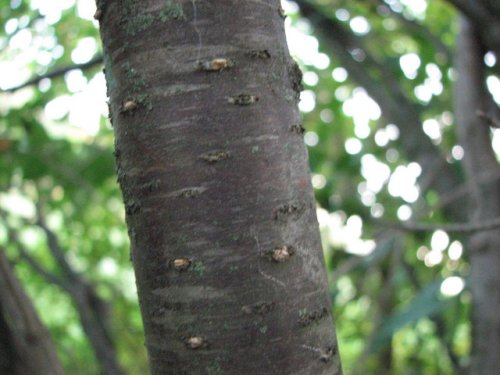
[[458, 192], [447, 227], [58, 72], [25, 254], [489, 120], [36, 266], [485, 16]]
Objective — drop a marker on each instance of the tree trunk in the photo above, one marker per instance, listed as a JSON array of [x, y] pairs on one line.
[[485, 15], [93, 311], [214, 175], [25, 344], [471, 99]]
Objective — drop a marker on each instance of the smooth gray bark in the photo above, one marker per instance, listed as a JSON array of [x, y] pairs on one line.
[[471, 99]]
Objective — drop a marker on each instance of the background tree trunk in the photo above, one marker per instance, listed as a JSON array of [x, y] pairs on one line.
[[215, 180], [93, 311], [471, 98], [485, 16], [25, 344]]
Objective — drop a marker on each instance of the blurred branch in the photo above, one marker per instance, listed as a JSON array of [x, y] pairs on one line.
[[384, 246], [485, 16], [382, 85], [420, 30], [458, 192], [374, 76], [13, 237], [69, 172], [470, 9], [34, 264], [451, 227], [489, 120], [57, 73], [346, 267], [91, 308], [54, 246]]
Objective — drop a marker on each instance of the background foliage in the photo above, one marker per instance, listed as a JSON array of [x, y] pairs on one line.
[[400, 297]]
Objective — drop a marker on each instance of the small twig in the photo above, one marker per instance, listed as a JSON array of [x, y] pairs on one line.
[[57, 73], [490, 120], [460, 191], [447, 227]]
